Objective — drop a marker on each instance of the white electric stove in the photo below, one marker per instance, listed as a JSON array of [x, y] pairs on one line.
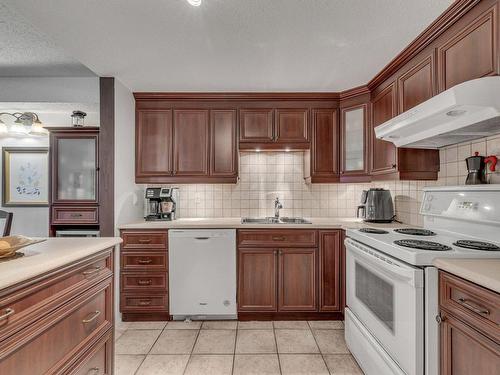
[[392, 287]]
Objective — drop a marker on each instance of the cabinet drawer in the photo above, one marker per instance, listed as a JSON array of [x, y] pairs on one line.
[[144, 302], [75, 215], [61, 336], [277, 238], [140, 261], [131, 282], [474, 304], [97, 360], [144, 239], [42, 296]]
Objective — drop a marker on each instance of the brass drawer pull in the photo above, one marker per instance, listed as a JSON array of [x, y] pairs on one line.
[[92, 271], [76, 215], [279, 238], [144, 303], [8, 312], [91, 319], [145, 261], [144, 240], [145, 282], [93, 371], [470, 306]]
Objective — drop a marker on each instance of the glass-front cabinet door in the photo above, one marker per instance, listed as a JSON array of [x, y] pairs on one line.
[[75, 167], [354, 163]]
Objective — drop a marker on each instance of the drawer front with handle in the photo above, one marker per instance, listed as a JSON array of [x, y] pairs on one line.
[[144, 302], [75, 215], [98, 360], [23, 306], [144, 239], [278, 238], [131, 282], [43, 349], [140, 261], [472, 303]]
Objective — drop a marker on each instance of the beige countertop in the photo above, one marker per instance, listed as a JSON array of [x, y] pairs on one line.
[[484, 272], [49, 255], [235, 222]]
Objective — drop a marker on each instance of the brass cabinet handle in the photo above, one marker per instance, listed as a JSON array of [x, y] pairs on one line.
[[281, 252], [145, 282], [144, 240], [93, 370], [145, 303], [76, 215], [473, 307], [92, 271], [92, 318], [279, 238], [8, 312], [144, 261]]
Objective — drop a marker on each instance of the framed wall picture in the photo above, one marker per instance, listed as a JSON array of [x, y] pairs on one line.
[[25, 176]]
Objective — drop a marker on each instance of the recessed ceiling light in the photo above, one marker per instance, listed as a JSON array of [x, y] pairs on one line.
[[195, 3]]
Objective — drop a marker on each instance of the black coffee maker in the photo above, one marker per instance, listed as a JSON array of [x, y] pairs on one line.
[[476, 166]]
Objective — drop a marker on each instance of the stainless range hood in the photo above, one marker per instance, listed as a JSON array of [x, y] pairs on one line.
[[467, 111]]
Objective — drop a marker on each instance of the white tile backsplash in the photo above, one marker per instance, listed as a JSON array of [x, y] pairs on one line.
[[267, 175]]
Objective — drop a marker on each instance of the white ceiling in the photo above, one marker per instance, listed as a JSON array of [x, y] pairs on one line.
[[233, 45], [24, 51]]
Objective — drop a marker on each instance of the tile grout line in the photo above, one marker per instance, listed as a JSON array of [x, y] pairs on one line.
[[320, 351], [138, 367], [192, 348], [277, 351]]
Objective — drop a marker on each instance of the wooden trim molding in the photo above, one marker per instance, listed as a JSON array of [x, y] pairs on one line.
[[235, 96]]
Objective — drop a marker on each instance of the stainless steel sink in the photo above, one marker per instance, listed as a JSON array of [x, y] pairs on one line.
[[273, 220]]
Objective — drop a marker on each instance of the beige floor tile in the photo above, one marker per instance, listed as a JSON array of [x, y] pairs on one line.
[[210, 365], [146, 325], [136, 342], [222, 324], [255, 341], [183, 325], [211, 341], [291, 324], [331, 341], [127, 364], [163, 365], [326, 324], [256, 364], [119, 332], [255, 325], [302, 364], [175, 341], [295, 341], [342, 364]]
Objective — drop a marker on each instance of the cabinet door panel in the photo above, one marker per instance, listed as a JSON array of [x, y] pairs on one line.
[[354, 141], [154, 143], [191, 142], [257, 275], [256, 125], [297, 288], [291, 125], [470, 54], [223, 143], [325, 138], [329, 270], [383, 152], [417, 84]]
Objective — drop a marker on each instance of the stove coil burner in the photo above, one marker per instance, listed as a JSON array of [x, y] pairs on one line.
[[373, 231], [423, 245], [477, 245], [415, 231]]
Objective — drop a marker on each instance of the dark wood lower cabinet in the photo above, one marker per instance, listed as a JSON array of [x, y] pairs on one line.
[[330, 261]]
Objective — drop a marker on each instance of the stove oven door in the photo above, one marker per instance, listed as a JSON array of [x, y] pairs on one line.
[[386, 295]]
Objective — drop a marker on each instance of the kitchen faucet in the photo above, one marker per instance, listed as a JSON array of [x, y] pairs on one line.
[[277, 207]]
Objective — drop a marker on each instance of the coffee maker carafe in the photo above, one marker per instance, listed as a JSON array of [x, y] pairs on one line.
[[476, 167], [160, 203]]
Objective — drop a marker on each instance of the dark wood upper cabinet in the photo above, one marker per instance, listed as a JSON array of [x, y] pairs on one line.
[[470, 53], [291, 125], [191, 142], [257, 279], [153, 144], [324, 154], [330, 289], [256, 125], [417, 84], [223, 143], [297, 284], [383, 155]]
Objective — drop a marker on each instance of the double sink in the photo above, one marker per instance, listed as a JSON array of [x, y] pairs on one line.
[[274, 220]]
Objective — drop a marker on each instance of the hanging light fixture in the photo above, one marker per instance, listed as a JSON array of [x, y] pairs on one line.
[[195, 3]]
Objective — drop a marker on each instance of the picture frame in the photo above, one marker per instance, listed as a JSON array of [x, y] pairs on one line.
[[25, 176]]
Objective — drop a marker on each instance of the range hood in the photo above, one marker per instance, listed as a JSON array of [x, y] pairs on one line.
[[467, 111]]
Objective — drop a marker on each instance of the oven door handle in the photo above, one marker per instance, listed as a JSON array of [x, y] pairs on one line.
[[394, 270]]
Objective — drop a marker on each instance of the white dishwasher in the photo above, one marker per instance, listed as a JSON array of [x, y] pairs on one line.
[[202, 273]]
